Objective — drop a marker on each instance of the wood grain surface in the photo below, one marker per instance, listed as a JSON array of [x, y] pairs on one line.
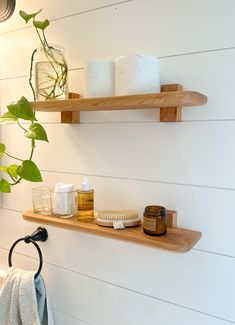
[[176, 240], [171, 114], [142, 101]]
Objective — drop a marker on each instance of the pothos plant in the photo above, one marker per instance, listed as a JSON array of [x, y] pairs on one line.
[[24, 169]]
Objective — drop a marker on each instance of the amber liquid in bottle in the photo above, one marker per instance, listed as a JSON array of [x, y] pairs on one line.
[[85, 205]]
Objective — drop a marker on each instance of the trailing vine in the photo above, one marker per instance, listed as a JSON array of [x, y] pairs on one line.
[[24, 169]]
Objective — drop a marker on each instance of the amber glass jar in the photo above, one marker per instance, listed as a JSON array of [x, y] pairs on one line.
[[155, 220]]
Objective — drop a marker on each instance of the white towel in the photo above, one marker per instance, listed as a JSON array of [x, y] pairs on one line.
[[23, 300], [2, 276]]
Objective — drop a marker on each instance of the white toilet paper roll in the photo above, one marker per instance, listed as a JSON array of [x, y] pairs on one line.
[[99, 79], [136, 74]]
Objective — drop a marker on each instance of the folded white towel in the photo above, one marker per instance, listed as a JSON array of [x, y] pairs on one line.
[[23, 300]]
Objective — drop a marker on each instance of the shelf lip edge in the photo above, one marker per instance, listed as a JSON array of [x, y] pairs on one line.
[[138, 101], [177, 248]]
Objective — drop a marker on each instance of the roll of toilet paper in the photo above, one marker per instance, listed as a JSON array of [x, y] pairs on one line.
[[136, 74], [99, 79]]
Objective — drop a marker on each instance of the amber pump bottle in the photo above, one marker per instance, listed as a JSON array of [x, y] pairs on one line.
[[85, 202]]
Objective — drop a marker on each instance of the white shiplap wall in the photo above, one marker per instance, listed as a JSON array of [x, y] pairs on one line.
[[132, 161]]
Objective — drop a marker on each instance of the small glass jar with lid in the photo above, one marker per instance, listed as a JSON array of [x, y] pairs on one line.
[[155, 220]]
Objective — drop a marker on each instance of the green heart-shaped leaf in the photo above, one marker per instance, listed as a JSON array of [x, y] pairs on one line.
[[29, 171], [27, 16], [5, 186], [36, 132], [22, 109], [2, 149], [8, 117], [41, 24], [12, 170], [4, 169]]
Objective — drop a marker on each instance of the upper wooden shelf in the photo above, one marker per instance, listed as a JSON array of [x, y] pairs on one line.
[[177, 239], [170, 101]]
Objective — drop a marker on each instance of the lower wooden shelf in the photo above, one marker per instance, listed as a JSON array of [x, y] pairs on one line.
[[177, 239]]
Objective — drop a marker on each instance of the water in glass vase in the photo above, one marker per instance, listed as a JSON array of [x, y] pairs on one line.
[[51, 75]]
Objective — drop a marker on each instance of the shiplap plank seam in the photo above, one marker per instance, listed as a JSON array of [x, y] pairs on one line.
[[70, 15], [128, 289], [160, 58]]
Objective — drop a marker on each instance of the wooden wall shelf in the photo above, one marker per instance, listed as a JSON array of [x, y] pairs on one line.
[[170, 101], [176, 240]]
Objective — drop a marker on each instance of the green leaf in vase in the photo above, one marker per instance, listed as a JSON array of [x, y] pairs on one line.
[[41, 24], [27, 16]]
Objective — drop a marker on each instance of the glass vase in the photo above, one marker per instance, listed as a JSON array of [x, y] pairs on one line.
[[51, 74]]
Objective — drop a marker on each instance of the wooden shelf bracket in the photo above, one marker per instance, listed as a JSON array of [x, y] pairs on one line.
[[171, 114], [71, 117]]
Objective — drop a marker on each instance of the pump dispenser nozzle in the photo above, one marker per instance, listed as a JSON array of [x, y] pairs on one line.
[[85, 184]]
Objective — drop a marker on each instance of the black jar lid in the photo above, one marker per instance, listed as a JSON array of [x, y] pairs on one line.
[[155, 210]]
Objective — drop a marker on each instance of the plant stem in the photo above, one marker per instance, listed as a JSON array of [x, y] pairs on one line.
[[41, 40], [32, 149], [44, 37], [21, 126], [13, 157], [16, 182], [31, 74]]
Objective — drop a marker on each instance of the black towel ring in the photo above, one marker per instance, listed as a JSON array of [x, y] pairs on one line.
[[39, 235]]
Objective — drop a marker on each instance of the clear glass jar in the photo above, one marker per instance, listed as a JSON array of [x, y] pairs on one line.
[[42, 203], [60, 203], [51, 73]]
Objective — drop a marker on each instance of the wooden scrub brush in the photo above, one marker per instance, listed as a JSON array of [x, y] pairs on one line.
[[118, 219]]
